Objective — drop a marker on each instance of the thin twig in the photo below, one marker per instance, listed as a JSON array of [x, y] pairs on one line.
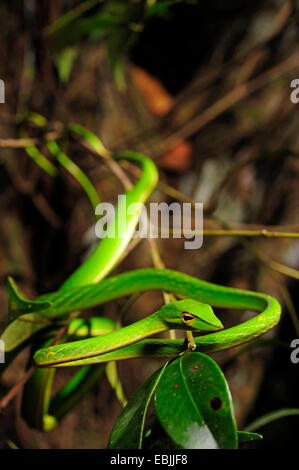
[[22, 143], [179, 196], [158, 263], [112, 164], [233, 97], [16, 388], [273, 265], [19, 385], [264, 233], [190, 128], [275, 269]]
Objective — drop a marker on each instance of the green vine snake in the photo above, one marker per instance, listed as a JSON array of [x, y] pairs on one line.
[[89, 286]]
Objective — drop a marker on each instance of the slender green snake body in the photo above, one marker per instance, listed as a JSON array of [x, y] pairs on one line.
[[87, 288], [183, 286]]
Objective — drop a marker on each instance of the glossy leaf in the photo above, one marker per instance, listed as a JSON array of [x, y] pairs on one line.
[[194, 406], [128, 430]]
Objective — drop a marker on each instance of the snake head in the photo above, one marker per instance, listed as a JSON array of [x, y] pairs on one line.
[[190, 314]]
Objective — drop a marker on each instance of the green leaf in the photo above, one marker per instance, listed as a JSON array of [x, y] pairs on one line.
[[128, 429], [244, 436], [96, 26], [130, 23], [64, 61], [72, 15], [161, 9], [272, 416], [115, 382], [194, 406], [154, 435]]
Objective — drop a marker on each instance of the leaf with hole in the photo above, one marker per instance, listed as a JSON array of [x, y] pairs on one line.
[[194, 405]]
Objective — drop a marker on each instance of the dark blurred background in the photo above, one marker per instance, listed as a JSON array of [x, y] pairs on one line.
[[203, 88]]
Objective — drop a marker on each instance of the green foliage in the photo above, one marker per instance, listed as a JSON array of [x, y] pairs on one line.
[[117, 22], [192, 403], [161, 9], [128, 431], [64, 62], [272, 416], [244, 436], [194, 406]]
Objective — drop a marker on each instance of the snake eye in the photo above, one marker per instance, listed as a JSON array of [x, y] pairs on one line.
[[188, 318]]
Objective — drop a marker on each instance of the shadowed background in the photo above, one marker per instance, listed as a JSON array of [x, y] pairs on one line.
[[207, 96]]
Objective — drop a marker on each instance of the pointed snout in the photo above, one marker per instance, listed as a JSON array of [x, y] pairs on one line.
[[215, 326]]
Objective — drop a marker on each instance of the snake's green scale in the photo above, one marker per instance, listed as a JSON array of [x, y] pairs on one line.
[[110, 250], [182, 314], [183, 286], [87, 288]]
